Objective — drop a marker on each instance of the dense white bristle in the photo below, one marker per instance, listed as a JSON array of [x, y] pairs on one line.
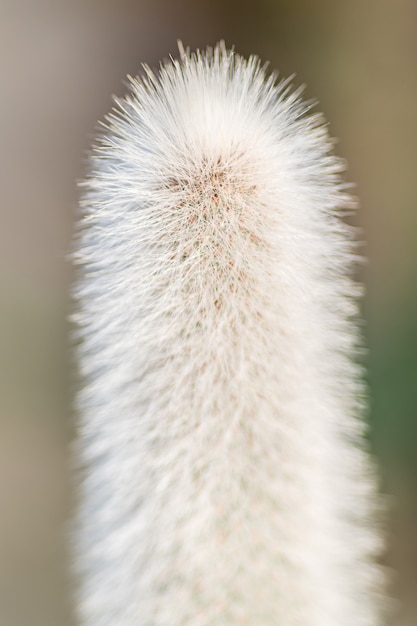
[[220, 429]]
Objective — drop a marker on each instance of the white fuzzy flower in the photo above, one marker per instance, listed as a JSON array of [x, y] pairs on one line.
[[224, 478]]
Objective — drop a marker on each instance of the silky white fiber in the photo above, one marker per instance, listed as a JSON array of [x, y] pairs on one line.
[[224, 477]]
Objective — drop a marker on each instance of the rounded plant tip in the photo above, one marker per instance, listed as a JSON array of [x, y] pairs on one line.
[[224, 479]]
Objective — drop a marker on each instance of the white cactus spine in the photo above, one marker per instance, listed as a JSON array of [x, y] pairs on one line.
[[224, 478]]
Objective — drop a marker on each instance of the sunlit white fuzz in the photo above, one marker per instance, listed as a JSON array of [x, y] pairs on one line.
[[224, 481]]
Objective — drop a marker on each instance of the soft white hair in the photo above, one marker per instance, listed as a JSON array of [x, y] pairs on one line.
[[224, 481]]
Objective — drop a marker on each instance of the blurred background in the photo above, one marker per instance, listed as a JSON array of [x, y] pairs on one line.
[[60, 62]]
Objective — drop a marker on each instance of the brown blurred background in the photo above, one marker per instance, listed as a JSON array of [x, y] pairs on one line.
[[60, 62]]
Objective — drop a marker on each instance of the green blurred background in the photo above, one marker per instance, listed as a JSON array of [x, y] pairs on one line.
[[60, 62]]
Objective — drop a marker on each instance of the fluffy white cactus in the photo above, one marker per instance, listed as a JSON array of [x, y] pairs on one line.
[[224, 479]]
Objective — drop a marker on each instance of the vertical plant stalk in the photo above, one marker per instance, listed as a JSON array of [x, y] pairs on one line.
[[220, 431]]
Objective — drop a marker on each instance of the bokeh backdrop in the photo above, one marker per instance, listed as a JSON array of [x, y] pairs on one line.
[[60, 62]]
